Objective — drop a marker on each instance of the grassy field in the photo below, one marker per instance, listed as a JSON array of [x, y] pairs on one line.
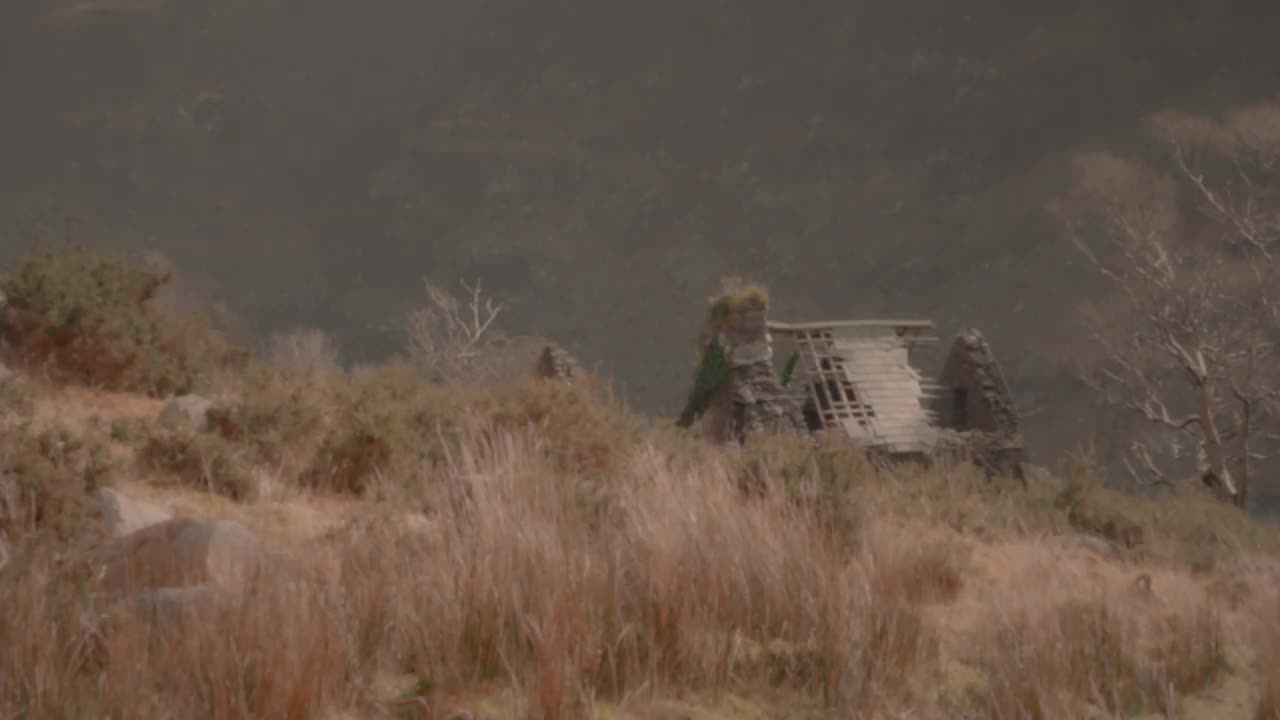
[[532, 549]]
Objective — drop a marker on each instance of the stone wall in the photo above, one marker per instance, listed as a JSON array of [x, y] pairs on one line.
[[737, 393], [975, 410], [759, 404], [975, 395], [555, 363]]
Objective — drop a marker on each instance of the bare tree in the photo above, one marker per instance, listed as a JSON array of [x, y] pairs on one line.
[[1187, 339], [449, 337], [305, 350]]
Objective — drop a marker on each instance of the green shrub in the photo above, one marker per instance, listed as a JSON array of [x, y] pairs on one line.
[[127, 431], [16, 401], [90, 319], [1188, 526], [272, 411], [46, 477], [200, 460], [1095, 510], [391, 425], [387, 426]]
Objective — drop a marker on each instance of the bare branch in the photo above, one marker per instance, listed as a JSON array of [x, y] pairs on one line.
[[447, 337], [1194, 320], [1147, 473]]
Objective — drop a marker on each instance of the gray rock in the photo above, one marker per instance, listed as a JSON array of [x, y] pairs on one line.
[[555, 363], [184, 551], [124, 515], [186, 411], [169, 604], [5, 374], [1098, 546]]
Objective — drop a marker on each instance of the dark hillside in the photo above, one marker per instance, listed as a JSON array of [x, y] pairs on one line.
[[602, 164]]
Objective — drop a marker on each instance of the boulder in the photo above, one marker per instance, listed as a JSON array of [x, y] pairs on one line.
[[555, 363], [1098, 546], [184, 551], [123, 515], [169, 604], [186, 411]]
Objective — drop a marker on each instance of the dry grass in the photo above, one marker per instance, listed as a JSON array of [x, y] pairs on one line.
[[690, 587], [277, 651], [1075, 653], [547, 556], [1267, 649]]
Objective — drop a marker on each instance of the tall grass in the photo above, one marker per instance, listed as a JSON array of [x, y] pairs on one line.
[[1057, 657], [1267, 651], [691, 585], [544, 541]]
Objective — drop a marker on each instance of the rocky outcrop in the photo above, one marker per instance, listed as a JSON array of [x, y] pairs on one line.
[[122, 515], [183, 552], [189, 412], [170, 604], [555, 363]]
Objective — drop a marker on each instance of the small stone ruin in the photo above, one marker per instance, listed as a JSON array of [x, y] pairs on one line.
[[555, 363], [855, 379]]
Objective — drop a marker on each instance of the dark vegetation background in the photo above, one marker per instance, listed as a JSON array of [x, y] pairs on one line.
[[601, 164]]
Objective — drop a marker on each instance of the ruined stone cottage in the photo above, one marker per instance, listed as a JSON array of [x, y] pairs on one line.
[[856, 379]]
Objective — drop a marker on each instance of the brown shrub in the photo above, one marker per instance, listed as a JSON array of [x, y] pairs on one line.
[[587, 434], [273, 411], [198, 460], [385, 428]]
